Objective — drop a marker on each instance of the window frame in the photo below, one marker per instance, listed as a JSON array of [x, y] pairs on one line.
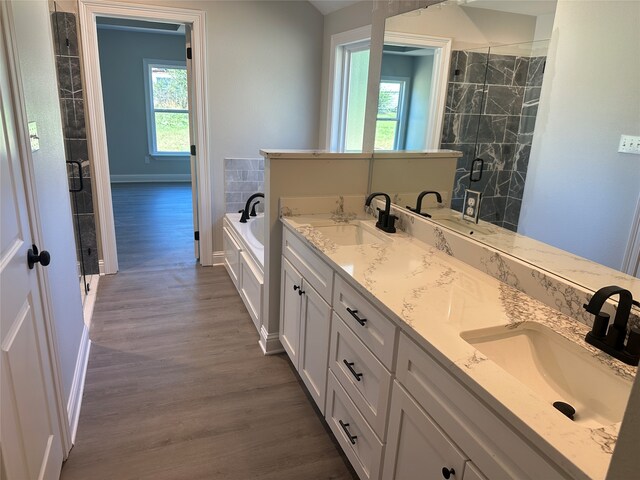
[[401, 117], [148, 64]]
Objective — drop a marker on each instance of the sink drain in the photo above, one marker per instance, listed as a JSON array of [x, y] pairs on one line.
[[565, 409]]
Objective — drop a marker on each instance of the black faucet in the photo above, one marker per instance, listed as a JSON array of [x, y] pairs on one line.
[[419, 202], [386, 221], [247, 207], [612, 340]]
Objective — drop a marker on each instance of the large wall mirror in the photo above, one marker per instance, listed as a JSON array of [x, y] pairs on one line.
[[529, 88]]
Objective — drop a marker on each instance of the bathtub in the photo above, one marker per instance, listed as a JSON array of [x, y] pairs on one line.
[[244, 260]]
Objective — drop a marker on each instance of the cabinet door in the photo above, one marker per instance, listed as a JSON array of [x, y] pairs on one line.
[[471, 472], [416, 447], [231, 255], [290, 309], [314, 343]]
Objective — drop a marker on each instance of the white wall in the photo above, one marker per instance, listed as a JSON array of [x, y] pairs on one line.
[[580, 194], [121, 70], [38, 71], [468, 27], [417, 123]]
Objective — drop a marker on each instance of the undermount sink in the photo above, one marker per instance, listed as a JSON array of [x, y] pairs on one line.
[[556, 369], [355, 233]]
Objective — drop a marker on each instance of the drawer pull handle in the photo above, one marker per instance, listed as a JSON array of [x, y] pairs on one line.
[[447, 472], [352, 438], [354, 314], [299, 289], [353, 372]]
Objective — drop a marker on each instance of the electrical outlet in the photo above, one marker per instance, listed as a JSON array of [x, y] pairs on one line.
[[471, 206], [629, 144]]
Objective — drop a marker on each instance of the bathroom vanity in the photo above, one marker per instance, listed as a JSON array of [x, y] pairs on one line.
[[426, 367]]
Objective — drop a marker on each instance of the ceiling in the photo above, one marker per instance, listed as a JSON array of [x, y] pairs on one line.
[[523, 7], [329, 6]]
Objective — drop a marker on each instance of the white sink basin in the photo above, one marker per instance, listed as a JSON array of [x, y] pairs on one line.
[[355, 233], [556, 369]]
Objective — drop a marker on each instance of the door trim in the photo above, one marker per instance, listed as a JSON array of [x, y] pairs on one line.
[[88, 11], [28, 177], [440, 76]]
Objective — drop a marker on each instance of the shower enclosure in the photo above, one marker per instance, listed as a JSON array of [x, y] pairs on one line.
[[71, 93], [492, 102]]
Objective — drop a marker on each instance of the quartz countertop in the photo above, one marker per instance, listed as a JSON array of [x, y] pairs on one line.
[[434, 297]]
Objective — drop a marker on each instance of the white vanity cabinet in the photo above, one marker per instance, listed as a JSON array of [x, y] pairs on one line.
[[231, 253], [417, 448], [305, 317]]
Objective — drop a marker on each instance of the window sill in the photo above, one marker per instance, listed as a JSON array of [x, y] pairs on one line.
[[169, 156]]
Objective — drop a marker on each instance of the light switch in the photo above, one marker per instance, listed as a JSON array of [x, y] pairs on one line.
[[629, 144], [33, 136]]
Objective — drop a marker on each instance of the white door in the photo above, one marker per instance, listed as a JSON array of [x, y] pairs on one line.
[[192, 139], [314, 343], [29, 432], [290, 308]]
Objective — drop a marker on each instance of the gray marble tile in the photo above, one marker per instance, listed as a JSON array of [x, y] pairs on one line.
[[253, 176], [520, 72], [232, 175], [516, 186], [89, 244], [536, 71], [521, 158], [509, 226], [485, 128], [512, 210], [466, 98], [500, 69], [65, 33], [73, 119], [531, 101], [511, 129], [492, 209], [448, 135], [525, 131], [475, 67], [504, 100]]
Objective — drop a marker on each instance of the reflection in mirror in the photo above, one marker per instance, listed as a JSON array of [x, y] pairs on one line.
[[495, 81]]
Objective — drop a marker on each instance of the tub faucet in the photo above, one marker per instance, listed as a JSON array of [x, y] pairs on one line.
[[386, 221], [611, 340], [247, 207], [419, 202]]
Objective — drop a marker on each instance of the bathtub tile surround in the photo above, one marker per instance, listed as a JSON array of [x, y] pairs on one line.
[[433, 297], [503, 127], [71, 95], [242, 177]]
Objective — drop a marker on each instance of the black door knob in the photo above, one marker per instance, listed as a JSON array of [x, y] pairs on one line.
[[447, 472], [33, 257]]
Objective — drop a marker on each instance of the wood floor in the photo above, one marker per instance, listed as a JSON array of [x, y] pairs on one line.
[[177, 386]]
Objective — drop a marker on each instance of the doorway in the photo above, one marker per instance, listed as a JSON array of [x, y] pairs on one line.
[[143, 68], [166, 129]]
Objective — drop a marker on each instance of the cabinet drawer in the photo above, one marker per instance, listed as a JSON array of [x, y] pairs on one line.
[[375, 330], [364, 450], [231, 254], [251, 282], [365, 379], [471, 472], [492, 445], [418, 448], [308, 263]]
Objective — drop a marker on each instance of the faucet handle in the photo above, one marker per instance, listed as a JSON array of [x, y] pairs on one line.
[[600, 324], [633, 343]]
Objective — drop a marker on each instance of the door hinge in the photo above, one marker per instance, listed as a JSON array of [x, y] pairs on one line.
[[193, 150], [189, 53], [196, 236]]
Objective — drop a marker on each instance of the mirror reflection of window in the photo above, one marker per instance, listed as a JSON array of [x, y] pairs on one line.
[[389, 121], [356, 70]]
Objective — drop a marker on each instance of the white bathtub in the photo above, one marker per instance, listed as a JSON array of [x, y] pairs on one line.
[[244, 260]]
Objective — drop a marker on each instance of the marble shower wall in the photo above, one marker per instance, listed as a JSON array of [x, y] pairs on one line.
[[71, 96], [501, 113], [242, 177]]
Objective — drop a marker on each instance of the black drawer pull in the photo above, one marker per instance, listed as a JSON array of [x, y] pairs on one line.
[[447, 472], [352, 438], [353, 372], [299, 289], [354, 314]]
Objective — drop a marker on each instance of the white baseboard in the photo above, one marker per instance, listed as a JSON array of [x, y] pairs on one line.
[[151, 177], [217, 258], [77, 387], [269, 342], [101, 267]]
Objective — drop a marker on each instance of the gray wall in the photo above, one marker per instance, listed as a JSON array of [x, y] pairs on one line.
[[420, 103], [580, 193], [121, 68]]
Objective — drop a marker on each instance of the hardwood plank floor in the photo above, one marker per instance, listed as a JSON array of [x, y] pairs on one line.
[[177, 387]]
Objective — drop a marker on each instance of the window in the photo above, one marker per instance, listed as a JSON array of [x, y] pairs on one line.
[[167, 108], [389, 124]]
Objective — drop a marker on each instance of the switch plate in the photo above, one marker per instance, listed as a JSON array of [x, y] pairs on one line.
[[629, 144], [471, 206]]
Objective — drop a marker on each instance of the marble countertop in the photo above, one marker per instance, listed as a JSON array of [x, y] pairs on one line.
[[324, 154], [434, 297]]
